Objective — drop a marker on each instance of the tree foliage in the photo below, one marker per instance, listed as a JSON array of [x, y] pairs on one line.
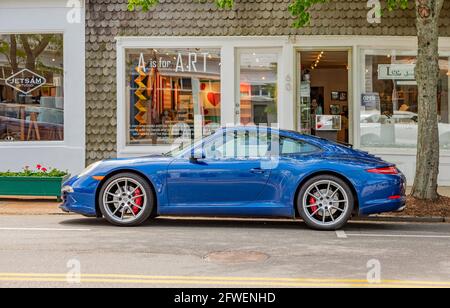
[[146, 5], [298, 8]]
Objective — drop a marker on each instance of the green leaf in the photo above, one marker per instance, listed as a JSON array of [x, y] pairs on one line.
[[299, 9], [145, 5]]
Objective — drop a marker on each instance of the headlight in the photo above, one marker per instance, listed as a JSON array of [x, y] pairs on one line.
[[89, 169], [67, 189]]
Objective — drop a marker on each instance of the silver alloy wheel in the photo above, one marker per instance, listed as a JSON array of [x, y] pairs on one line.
[[325, 202], [124, 200]]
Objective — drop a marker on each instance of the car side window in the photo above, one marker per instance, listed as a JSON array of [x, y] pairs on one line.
[[239, 144], [289, 146]]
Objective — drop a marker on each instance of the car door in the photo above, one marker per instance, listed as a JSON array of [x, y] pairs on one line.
[[230, 171]]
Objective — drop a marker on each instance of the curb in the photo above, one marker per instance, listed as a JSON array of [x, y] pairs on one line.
[[403, 219]]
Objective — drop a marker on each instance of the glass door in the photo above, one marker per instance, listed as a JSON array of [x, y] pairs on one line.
[[323, 103]]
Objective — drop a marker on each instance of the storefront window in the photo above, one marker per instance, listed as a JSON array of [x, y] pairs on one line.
[[389, 102], [31, 87], [258, 87], [173, 94]]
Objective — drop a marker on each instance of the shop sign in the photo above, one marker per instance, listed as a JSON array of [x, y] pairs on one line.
[[305, 89], [370, 101], [25, 81], [396, 71]]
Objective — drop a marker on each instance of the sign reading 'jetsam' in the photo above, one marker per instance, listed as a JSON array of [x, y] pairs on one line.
[[25, 81]]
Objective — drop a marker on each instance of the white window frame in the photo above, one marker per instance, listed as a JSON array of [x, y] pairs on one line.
[[32, 17], [228, 47]]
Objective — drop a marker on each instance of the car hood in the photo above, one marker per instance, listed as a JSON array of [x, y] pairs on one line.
[[139, 160]]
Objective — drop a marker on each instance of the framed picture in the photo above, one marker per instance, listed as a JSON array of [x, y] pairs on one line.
[[343, 96], [328, 122], [335, 109], [334, 95]]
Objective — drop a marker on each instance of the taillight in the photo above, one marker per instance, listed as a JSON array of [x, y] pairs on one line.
[[385, 170]]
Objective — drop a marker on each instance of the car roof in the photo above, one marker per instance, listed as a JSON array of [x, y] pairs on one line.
[[282, 132]]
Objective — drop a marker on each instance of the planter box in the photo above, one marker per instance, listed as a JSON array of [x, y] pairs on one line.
[[32, 186]]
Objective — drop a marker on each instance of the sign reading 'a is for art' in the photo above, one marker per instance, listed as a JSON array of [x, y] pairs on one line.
[[25, 81]]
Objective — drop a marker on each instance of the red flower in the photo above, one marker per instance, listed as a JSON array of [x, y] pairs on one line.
[[39, 167], [44, 169]]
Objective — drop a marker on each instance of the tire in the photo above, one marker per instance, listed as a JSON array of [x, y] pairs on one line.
[[325, 194], [126, 200]]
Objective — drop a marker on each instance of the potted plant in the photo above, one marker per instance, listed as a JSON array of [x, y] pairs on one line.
[[40, 183]]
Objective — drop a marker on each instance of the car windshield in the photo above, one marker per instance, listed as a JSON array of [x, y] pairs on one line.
[[178, 149]]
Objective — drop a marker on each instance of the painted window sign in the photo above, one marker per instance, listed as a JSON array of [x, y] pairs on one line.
[[25, 81], [181, 62]]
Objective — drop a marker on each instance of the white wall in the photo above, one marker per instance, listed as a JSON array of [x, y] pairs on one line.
[[31, 16], [331, 80]]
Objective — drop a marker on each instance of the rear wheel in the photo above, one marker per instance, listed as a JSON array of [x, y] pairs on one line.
[[126, 199], [325, 202]]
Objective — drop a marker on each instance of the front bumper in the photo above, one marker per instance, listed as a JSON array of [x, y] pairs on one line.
[[79, 196]]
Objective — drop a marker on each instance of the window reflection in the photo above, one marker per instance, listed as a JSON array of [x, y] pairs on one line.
[[258, 88], [173, 95], [31, 87], [389, 103]]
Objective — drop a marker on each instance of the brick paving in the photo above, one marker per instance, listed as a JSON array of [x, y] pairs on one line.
[[29, 206]]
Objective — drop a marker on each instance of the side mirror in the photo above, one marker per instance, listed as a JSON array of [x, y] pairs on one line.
[[197, 154]]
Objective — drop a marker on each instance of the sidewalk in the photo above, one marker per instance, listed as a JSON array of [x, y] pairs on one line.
[[29, 206]]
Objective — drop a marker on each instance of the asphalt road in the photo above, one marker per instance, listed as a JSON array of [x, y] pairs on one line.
[[46, 251]]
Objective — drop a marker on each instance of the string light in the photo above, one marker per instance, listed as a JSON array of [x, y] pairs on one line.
[[316, 63]]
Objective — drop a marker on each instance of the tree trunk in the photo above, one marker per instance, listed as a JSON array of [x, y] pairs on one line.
[[13, 54], [30, 62], [33, 54], [427, 76]]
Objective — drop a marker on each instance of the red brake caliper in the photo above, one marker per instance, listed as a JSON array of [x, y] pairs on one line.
[[138, 201], [314, 207]]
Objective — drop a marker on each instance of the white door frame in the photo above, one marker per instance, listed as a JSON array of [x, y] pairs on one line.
[[350, 100]]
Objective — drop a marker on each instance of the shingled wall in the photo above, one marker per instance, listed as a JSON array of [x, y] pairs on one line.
[[106, 19]]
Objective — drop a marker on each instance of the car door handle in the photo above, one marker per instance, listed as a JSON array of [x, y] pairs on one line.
[[258, 171]]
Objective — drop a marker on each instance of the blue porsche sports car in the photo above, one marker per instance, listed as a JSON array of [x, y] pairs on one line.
[[241, 171]]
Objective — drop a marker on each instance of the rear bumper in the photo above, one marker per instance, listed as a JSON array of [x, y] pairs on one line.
[[383, 193], [383, 206]]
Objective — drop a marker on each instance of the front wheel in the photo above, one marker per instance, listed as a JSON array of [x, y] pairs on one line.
[[126, 199], [325, 202]]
